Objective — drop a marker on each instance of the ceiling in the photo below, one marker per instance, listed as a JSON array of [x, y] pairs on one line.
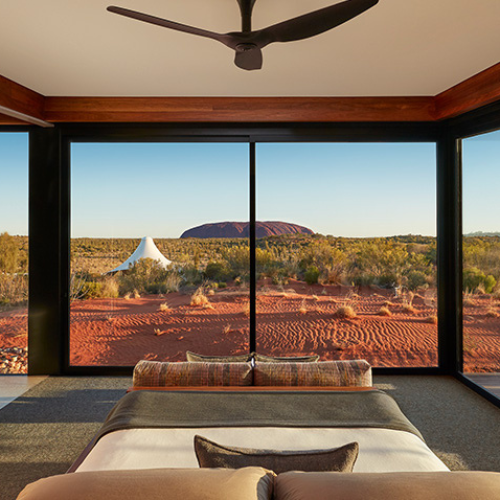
[[397, 48]]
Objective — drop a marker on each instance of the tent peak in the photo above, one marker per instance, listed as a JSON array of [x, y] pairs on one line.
[[147, 249]]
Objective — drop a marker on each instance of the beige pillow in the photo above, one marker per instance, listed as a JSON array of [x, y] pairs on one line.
[[186, 374], [351, 373], [252, 483], [211, 454], [202, 358], [261, 358], [388, 486]]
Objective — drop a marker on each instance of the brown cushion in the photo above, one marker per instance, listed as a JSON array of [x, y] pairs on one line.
[[388, 486], [158, 374], [353, 373], [202, 358], [155, 484], [211, 454], [260, 358]]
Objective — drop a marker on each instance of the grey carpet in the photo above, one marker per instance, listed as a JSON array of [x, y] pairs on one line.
[[42, 432], [452, 418]]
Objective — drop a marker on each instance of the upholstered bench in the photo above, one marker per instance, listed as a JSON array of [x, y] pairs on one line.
[[255, 483]]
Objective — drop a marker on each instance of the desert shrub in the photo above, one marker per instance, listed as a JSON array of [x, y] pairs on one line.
[[361, 279], [91, 290], [245, 308], [380, 261], [146, 275], [190, 275], [345, 312], [331, 262], [217, 271], [110, 287], [8, 253], [199, 298], [474, 278], [492, 313], [13, 290], [155, 288], [164, 307], [489, 283], [416, 279], [172, 281], [264, 260], [237, 259], [384, 311], [311, 275], [482, 253]]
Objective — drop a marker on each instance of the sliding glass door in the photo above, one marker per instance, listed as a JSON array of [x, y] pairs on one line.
[[481, 258], [346, 252], [159, 251]]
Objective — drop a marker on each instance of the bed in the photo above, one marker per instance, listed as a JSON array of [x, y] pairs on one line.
[[145, 449], [156, 428]]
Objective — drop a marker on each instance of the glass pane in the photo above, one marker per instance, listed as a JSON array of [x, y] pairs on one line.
[[481, 254], [140, 288], [13, 252], [363, 285]]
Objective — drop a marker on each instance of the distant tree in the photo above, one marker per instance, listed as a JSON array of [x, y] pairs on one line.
[[8, 253]]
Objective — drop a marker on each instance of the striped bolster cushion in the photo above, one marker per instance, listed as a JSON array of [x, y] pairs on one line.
[[355, 373], [163, 374]]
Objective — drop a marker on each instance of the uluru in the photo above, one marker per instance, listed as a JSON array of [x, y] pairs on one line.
[[242, 230]]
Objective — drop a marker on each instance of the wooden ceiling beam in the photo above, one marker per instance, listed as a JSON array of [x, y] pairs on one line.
[[26, 106], [21, 103], [238, 109], [479, 90]]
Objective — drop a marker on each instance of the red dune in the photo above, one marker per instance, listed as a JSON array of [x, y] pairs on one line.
[[299, 320]]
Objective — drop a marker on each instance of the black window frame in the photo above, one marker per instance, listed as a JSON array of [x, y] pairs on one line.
[[50, 153], [481, 121]]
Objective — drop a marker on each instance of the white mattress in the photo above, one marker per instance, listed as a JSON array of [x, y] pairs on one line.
[[381, 450]]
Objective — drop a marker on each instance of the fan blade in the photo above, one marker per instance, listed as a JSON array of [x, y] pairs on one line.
[[169, 24], [313, 23], [248, 56]]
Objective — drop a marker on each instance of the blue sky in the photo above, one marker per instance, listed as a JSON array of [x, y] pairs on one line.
[[138, 189], [481, 183], [357, 190], [14, 183]]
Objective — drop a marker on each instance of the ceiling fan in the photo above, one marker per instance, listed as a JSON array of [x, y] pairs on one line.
[[247, 44]]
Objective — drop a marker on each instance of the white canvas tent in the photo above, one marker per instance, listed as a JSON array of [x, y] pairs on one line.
[[146, 250]]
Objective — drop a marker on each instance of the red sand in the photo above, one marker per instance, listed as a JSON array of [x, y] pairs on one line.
[[299, 320]]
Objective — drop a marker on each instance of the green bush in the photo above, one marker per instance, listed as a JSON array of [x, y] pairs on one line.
[[91, 290], [217, 271], [191, 275], [143, 275], [8, 253], [473, 278], [416, 279], [311, 276], [489, 283]]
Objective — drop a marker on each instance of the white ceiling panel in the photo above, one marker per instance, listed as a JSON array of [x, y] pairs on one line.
[[399, 47]]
